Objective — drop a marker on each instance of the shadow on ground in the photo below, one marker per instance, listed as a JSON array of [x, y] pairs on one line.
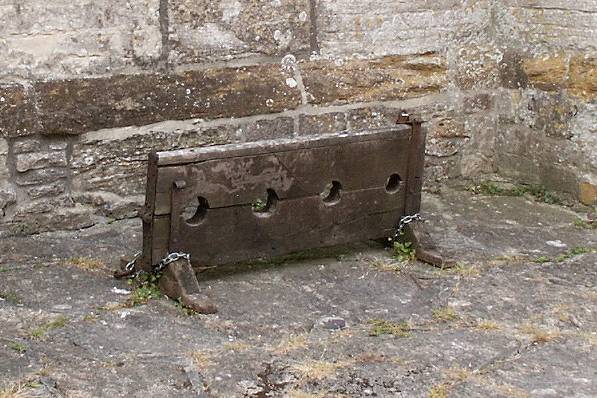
[[516, 317]]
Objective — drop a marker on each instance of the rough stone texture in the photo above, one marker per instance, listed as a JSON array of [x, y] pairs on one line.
[[389, 27], [503, 87], [582, 78], [109, 168], [7, 191], [225, 29], [501, 325], [16, 111], [383, 79], [39, 160], [588, 194], [539, 26], [65, 38], [76, 106]]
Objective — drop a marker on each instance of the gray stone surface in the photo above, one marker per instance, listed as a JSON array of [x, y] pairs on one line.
[[65, 38], [501, 324], [506, 88], [225, 29]]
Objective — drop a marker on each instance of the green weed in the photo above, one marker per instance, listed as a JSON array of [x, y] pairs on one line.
[[146, 290], [18, 347], [404, 251], [381, 326], [444, 314], [40, 332]]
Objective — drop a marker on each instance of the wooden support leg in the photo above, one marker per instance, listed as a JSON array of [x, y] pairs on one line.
[[178, 281], [425, 248]]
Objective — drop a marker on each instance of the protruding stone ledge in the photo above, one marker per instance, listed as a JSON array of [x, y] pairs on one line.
[[382, 79], [76, 106]]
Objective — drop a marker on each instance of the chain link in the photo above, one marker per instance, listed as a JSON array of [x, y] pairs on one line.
[[130, 269], [404, 221], [170, 258], [130, 266]]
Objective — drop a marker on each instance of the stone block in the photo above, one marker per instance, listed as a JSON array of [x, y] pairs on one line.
[[3, 147], [41, 176], [54, 189], [325, 123], [582, 77], [65, 38], [548, 113], [17, 111], [280, 127], [76, 106], [544, 26], [26, 145], [8, 196], [477, 66], [386, 27], [205, 30], [546, 73], [476, 103], [588, 193], [4, 172], [40, 160], [54, 218], [382, 79], [511, 72]]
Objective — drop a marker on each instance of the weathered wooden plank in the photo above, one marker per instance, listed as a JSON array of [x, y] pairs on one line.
[[236, 233], [416, 163], [372, 172], [145, 262], [193, 155], [292, 174], [161, 237]]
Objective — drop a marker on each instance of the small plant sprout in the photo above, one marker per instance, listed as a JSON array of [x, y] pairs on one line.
[[404, 251]]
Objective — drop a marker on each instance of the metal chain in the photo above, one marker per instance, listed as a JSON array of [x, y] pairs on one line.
[[131, 272], [130, 266], [404, 221], [170, 258]]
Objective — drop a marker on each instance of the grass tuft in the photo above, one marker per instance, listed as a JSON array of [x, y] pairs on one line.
[[464, 270], [236, 346], [200, 359], [18, 347], [40, 332], [540, 335], [14, 390], [293, 343], [86, 263], [438, 391], [486, 324], [146, 290], [584, 224], [444, 314], [380, 327], [317, 370]]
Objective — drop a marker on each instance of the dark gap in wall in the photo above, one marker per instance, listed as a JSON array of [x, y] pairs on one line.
[[314, 45], [164, 27]]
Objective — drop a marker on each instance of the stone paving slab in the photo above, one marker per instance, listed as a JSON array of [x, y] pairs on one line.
[[515, 318]]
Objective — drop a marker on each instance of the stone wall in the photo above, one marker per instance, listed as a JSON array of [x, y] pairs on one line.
[[547, 131], [89, 88]]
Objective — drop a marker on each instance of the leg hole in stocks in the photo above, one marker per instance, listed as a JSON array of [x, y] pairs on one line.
[[196, 211], [331, 193]]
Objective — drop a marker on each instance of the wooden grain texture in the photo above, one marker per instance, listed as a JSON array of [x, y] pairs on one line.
[[235, 233], [230, 178]]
